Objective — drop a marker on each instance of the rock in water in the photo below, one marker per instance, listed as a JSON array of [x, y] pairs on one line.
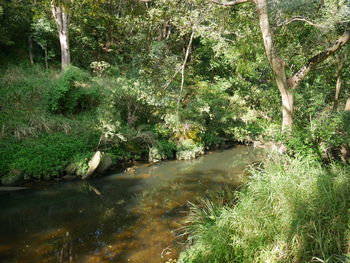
[[15, 177], [93, 164], [105, 163]]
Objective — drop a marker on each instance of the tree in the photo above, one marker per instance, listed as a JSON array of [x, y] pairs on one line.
[[340, 64], [286, 85], [60, 13], [42, 31]]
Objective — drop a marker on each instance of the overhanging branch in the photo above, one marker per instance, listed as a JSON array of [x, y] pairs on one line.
[[295, 80], [230, 3], [299, 18]]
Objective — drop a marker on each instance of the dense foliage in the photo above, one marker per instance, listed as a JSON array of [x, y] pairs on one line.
[[152, 80]]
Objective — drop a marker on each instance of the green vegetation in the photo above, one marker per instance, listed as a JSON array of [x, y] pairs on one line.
[[72, 93], [125, 80], [49, 118], [292, 210]]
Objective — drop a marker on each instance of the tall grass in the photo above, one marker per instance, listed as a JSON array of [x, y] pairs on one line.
[[294, 210], [23, 111]]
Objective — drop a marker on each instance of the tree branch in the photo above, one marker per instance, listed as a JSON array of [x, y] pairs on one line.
[[295, 80], [230, 3], [299, 18]]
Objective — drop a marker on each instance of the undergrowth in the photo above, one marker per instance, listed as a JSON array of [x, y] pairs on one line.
[[45, 156]]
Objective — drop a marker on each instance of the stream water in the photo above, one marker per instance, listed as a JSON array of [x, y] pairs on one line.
[[135, 216]]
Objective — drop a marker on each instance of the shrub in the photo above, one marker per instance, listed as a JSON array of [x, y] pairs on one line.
[[99, 67], [322, 137], [212, 139], [72, 92], [161, 150], [188, 149]]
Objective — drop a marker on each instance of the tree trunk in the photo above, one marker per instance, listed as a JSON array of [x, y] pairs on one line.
[[46, 58], [347, 105], [286, 86], [30, 47], [287, 108], [62, 20], [277, 65], [339, 83], [337, 92]]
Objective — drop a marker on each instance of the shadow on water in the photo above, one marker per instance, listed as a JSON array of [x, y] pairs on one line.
[[119, 218], [58, 224]]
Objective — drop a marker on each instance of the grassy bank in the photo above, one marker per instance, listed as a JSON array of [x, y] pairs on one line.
[[292, 210], [52, 120]]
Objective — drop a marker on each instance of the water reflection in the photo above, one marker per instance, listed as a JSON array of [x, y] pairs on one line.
[[128, 217]]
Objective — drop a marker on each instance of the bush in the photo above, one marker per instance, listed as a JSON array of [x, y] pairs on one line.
[[79, 164], [188, 149], [72, 92], [292, 211], [322, 137], [161, 150]]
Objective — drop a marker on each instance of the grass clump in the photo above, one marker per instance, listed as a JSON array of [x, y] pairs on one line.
[[292, 211]]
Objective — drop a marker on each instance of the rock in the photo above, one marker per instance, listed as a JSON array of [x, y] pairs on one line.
[[15, 177], [344, 153], [105, 163], [93, 164], [130, 170], [258, 144], [71, 169], [99, 163]]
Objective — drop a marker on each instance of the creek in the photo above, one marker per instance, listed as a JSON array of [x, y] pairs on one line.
[[136, 216]]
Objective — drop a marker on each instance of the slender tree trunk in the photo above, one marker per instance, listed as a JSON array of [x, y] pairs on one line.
[[46, 58], [30, 49], [344, 149], [337, 93], [347, 105], [62, 20], [339, 83]]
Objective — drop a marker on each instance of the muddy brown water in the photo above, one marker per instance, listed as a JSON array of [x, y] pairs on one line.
[[138, 216]]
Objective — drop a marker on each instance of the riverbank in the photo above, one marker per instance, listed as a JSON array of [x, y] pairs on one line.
[[292, 210], [66, 157], [55, 124]]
